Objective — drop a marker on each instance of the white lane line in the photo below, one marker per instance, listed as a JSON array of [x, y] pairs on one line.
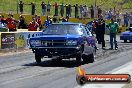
[[124, 69]]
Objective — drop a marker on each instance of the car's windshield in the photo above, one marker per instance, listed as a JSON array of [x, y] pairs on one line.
[[61, 29]]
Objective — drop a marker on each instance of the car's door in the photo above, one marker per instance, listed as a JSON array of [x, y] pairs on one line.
[[88, 49]]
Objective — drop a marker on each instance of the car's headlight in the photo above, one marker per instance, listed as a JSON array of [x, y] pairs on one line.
[[71, 42], [35, 42]]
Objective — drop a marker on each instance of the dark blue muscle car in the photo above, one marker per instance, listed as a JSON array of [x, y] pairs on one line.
[[65, 40]]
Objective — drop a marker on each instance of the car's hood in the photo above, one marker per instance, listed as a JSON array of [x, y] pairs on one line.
[[57, 37], [126, 33]]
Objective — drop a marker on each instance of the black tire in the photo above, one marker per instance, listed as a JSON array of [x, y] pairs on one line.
[[125, 41], [131, 41], [91, 58], [37, 58], [88, 58], [78, 57], [85, 58]]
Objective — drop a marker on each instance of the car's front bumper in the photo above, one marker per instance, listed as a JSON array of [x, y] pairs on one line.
[[126, 37], [56, 51]]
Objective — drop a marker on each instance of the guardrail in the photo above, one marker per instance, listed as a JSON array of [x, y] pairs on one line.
[[15, 40]]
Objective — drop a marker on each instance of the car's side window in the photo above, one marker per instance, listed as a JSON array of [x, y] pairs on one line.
[[84, 30], [88, 32]]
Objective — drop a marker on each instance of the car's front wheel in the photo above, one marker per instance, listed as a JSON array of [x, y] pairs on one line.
[[131, 41], [38, 58], [88, 58], [78, 57]]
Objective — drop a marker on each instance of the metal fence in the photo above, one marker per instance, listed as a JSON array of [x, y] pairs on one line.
[[11, 6]]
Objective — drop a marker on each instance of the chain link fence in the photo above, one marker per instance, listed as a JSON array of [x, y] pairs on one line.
[[12, 6]]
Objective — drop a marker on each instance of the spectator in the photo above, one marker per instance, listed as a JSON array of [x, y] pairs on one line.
[[38, 20], [92, 11], [76, 11], [55, 19], [130, 19], [33, 8], [69, 10], [48, 8], [43, 5], [94, 23], [33, 25], [110, 14], [3, 20], [118, 18], [113, 30], [99, 11], [100, 31], [21, 6], [65, 19], [22, 23], [48, 22], [126, 19], [1, 23], [11, 23], [85, 11], [62, 9], [56, 8], [81, 10]]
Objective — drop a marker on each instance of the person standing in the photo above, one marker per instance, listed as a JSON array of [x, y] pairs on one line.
[[113, 30], [76, 11], [99, 11], [62, 9], [21, 7], [126, 19], [56, 8], [92, 11], [81, 11], [43, 5], [69, 10], [100, 31], [33, 8], [118, 18], [48, 8], [130, 19], [85, 11]]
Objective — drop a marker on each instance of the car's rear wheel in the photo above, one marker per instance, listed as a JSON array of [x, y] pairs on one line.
[[38, 58], [125, 41]]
